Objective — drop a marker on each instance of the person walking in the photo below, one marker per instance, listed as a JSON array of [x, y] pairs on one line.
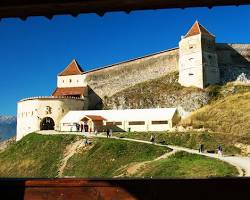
[[85, 141], [201, 148], [152, 139], [77, 127], [219, 150], [110, 132], [107, 132]]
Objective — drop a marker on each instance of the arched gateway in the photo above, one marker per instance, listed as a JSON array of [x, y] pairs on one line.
[[47, 123]]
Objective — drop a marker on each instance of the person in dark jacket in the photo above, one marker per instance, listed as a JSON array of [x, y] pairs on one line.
[[108, 133]]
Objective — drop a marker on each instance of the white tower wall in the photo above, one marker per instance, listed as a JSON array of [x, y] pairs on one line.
[[30, 112], [71, 81]]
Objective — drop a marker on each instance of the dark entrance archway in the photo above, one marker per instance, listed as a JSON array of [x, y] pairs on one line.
[[47, 123]]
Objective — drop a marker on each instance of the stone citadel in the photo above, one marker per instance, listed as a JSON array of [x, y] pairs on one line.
[[199, 60]]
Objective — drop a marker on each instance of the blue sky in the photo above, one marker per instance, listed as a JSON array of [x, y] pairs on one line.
[[34, 51]]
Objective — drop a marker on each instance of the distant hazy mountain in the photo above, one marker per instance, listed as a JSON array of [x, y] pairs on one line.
[[7, 127]]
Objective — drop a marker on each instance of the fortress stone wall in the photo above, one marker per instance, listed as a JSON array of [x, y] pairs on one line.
[[112, 79], [233, 60]]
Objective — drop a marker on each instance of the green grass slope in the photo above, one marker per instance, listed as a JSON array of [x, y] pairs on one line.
[[108, 155], [34, 156], [193, 139], [41, 155], [186, 165]]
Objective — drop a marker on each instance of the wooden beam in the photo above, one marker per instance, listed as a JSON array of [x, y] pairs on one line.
[[25, 8], [78, 189]]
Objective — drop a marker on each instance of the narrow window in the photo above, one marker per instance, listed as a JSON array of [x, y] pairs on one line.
[[190, 74], [159, 122], [118, 123], [136, 123]]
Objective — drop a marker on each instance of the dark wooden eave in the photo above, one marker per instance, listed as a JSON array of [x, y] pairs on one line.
[[49, 8]]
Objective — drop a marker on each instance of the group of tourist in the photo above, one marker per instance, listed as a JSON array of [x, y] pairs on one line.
[[219, 149], [80, 127], [201, 146]]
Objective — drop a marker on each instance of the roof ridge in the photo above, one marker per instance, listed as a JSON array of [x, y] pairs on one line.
[[198, 25], [196, 29], [73, 68]]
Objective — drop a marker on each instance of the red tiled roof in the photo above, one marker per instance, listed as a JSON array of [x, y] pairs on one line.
[[95, 117], [196, 29], [69, 91], [72, 69]]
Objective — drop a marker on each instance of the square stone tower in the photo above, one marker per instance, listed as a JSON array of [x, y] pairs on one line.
[[198, 64], [71, 82]]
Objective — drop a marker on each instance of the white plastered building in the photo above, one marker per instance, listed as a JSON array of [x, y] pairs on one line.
[[158, 119]]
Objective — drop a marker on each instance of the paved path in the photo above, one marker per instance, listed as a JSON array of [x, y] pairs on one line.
[[241, 163]]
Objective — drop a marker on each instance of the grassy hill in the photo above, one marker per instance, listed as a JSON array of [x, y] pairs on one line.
[[192, 139], [34, 156], [109, 155], [229, 114], [41, 156], [174, 167]]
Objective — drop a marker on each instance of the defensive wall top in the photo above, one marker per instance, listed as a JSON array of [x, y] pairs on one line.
[[50, 98]]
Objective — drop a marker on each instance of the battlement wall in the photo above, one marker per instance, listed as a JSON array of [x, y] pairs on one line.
[[112, 79], [233, 60]]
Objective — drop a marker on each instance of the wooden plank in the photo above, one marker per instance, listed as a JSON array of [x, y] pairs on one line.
[[49, 8], [76, 189]]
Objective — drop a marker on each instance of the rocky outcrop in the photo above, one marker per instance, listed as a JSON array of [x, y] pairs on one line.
[[4, 144], [161, 92], [243, 79]]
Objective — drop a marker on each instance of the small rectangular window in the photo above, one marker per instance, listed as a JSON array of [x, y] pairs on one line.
[[118, 123], [160, 122], [136, 123], [109, 123], [190, 74]]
